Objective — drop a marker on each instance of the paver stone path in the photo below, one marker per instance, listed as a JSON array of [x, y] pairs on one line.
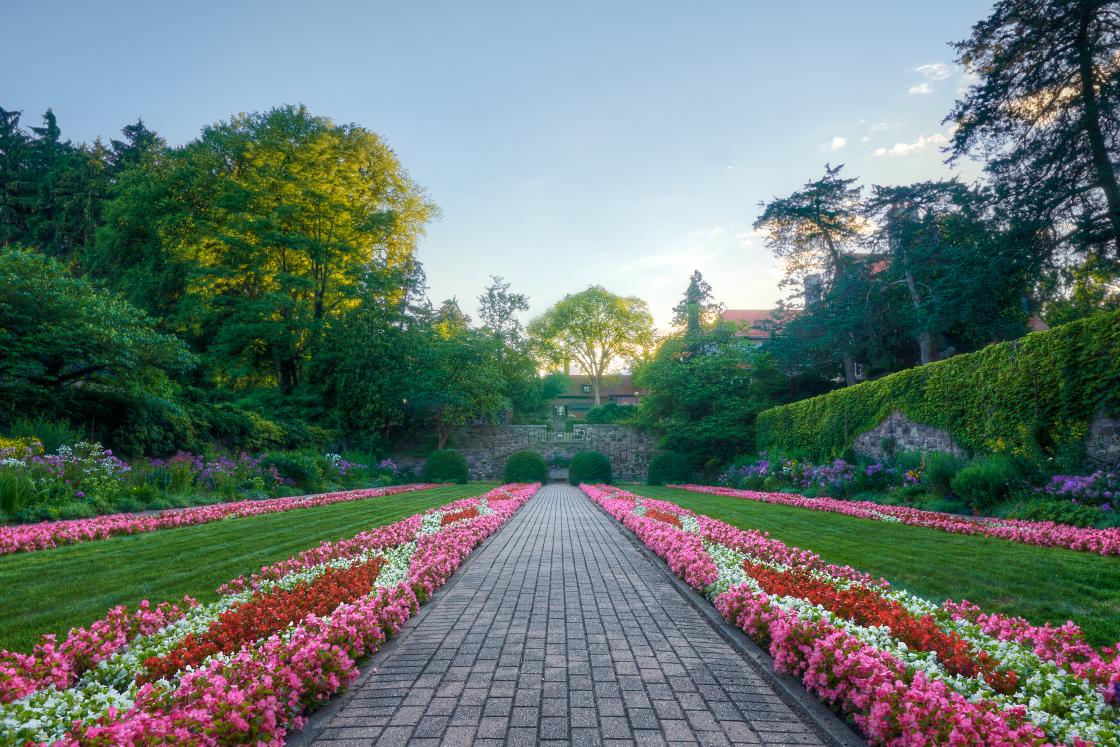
[[560, 630]]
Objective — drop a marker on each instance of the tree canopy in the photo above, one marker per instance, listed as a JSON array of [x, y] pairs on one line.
[[594, 329]]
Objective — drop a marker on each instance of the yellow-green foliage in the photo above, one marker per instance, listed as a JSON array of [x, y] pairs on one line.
[[1033, 397]]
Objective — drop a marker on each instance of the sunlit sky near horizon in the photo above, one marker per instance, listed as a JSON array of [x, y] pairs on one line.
[[620, 143]]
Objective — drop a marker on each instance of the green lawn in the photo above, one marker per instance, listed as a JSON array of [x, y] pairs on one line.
[[1040, 584], [50, 591]]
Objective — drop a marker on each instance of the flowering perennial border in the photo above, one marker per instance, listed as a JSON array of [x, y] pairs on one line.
[[47, 534], [905, 670], [246, 668], [1043, 533]]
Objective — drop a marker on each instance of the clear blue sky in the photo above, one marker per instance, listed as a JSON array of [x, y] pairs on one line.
[[567, 143]]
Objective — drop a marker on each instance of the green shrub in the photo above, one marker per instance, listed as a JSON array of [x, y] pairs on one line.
[[941, 468], [611, 412], [50, 433], [945, 505], [17, 490], [589, 467], [669, 468], [304, 470], [1034, 396], [1058, 511], [75, 510], [446, 465], [986, 482], [525, 466]]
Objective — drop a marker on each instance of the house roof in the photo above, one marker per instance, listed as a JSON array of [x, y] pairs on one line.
[[611, 385], [753, 321], [876, 263], [1036, 324]]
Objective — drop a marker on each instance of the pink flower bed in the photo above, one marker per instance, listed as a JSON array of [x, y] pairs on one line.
[[1044, 533], [83, 692], [1057, 690], [47, 534], [60, 665]]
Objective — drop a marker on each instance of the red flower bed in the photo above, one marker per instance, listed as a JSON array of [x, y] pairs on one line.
[[263, 615], [866, 607], [454, 516], [665, 516]]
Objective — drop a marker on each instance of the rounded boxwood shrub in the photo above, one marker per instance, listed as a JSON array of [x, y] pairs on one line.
[[987, 482], [446, 465], [302, 469], [589, 467], [669, 468], [525, 466]]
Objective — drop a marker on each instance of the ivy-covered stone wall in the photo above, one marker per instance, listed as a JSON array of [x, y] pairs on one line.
[[1051, 395]]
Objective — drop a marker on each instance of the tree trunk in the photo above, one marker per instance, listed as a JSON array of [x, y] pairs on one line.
[[849, 370], [924, 338], [287, 373], [1106, 175], [441, 432], [595, 386]]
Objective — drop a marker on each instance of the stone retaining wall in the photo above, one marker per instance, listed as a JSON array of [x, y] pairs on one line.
[[486, 447], [899, 433], [1102, 447]]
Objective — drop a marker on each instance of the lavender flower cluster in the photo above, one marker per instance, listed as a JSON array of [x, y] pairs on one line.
[[1098, 489]]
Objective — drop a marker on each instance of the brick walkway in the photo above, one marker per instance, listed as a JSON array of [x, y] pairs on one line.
[[560, 629]]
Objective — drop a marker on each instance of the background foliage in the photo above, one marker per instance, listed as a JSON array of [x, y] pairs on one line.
[[1033, 397]]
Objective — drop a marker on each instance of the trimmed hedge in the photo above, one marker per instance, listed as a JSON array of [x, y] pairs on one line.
[[589, 467], [446, 465], [525, 466], [669, 468], [1033, 397]]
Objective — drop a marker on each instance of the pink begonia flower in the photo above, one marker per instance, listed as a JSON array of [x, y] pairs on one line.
[[261, 692], [47, 534], [890, 703], [1043, 533]]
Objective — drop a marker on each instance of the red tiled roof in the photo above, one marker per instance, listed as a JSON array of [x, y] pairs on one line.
[[1036, 324], [751, 321]]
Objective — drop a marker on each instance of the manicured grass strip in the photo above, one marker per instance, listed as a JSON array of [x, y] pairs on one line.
[[50, 591], [1040, 584]]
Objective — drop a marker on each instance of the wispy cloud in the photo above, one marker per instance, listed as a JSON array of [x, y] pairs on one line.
[[729, 168], [837, 143], [916, 146], [933, 72]]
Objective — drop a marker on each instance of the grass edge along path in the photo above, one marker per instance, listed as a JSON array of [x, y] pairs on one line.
[[44, 535], [1037, 583], [50, 591]]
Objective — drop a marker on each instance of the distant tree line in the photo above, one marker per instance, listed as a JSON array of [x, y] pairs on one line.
[[882, 279], [255, 288]]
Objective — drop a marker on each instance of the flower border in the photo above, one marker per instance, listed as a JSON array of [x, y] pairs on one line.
[[47, 534], [1043, 533], [1053, 687], [91, 690]]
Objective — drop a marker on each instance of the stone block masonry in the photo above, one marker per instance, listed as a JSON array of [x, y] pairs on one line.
[[898, 433], [486, 447]]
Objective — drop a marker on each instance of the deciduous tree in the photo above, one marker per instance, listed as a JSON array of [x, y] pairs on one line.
[[595, 329]]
